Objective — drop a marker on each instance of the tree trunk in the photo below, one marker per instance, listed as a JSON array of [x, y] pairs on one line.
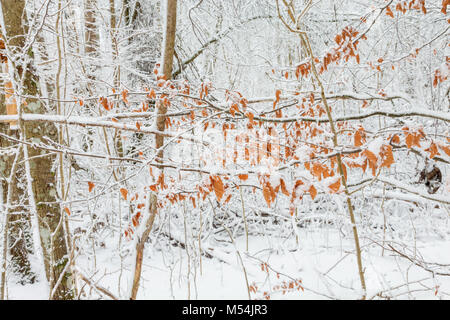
[[18, 220], [44, 182], [167, 64], [90, 33]]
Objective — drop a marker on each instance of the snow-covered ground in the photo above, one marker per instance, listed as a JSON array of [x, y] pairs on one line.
[[322, 260]]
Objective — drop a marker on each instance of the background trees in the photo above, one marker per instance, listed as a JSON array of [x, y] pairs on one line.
[[277, 121]]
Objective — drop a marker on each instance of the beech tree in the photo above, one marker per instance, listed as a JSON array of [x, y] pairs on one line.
[[41, 181], [181, 136]]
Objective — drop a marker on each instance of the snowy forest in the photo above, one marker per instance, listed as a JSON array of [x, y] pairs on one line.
[[224, 149]]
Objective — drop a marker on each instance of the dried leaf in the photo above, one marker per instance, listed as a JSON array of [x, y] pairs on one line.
[[218, 187], [267, 193], [335, 186], [243, 176], [124, 96], [357, 139], [67, 211], [395, 139], [124, 193], [313, 192], [388, 156], [409, 140], [104, 102], [152, 94], [283, 188], [389, 12], [433, 150], [445, 148]]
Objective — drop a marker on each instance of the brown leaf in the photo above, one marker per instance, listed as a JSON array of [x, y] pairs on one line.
[[67, 211], [267, 193], [124, 193], [313, 192], [124, 96], [283, 188], [218, 187], [395, 139], [335, 186], [445, 148], [371, 156], [388, 156], [357, 139], [389, 12], [433, 150], [152, 94], [409, 140], [243, 176], [104, 103]]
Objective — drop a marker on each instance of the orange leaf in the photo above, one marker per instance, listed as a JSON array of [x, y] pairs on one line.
[[358, 139], [317, 170], [396, 139], [152, 94], [389, 12], [124, 193], [298, 183], [372, 160], [91, 186], [445, 148], [234, 107], [218, 187], [445, 3], [388, 157], [371, 156], [313, 192], [243, 176], [250, 116], [283, 188], [140, 205], [135, 221], [277, 98], [433, 150], [104, 103], [335, 186], [228, 198], [409, 140], [267, 194], [124, 96], [67, 211], [277, 95]]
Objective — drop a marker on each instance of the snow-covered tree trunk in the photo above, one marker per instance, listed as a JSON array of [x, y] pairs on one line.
[[41, 173], [167, 66]]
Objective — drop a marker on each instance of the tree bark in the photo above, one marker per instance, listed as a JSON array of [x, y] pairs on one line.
[[167, 65], [44, 182]]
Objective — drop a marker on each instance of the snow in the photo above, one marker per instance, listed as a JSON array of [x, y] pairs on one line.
[[323, 260], [243, 53]]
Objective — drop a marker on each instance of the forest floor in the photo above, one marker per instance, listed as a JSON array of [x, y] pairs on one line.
[[322, 259]]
